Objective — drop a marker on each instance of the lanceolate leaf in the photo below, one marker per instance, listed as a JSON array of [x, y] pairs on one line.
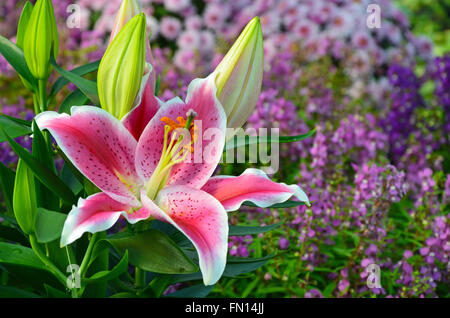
[[249, 230], [49, 225], [242, 141], [151, 250], [79, 71], [14, 55], [89, 88], [19, 255], [196, 291], [41, 172], [14, 292], [42, 151], [234, 267], [76, 98], [287, 204], [237, 267], [7, 186], [23, 22], [13, 234], [13, 128], [120, 268]]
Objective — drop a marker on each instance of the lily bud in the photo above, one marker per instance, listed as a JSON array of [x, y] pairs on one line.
[[122, 68], [128, 9], [239, 75], [41, 39]]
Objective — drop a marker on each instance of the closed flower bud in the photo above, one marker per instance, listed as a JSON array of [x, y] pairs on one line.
[[122, 67], [128, 9], [40, 40], [239, 75]]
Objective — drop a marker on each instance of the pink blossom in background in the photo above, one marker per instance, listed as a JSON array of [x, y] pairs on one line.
[[170, 27]]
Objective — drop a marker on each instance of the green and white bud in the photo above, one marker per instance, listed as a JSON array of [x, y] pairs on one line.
[[122, 68]]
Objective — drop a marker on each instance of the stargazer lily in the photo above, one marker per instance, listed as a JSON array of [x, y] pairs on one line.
[[155, 175]]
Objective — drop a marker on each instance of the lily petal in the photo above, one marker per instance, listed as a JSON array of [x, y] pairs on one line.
[[97, 213], [252, 185], [99, 146], [201, 218], [138, 118], [199, 165]]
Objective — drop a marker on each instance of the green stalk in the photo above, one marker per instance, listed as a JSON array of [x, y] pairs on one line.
[[53, 269], [87, 256], [139, 278], [43, 95], [36, 104], [74, 290]]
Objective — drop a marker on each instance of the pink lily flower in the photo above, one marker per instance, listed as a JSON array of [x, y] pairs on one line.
[[145, 170]]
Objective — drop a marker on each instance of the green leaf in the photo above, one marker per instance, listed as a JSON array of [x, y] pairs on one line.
[[41, 172], [76, 98], [78, 71], [13, 128], [102, 276], [42, 151], [13, 292], [249, 230], [242, 141], [235, 267], [49, 225], [157, 85], [24, 198], [344, 252], [238, 266], [7, 186], [13, 234], [196, 291], [19, 255], [70, 179], [89, 88], [14, 55], [123, 295], [23, 22], [158, 285], [161, 256], [20, 121], [287, 204], [249, 288], [239, 260], [55, 293], [329, 289]]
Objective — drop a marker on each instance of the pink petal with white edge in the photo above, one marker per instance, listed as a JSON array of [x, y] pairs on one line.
[[138, 118], [99, 146], [199, 165], [253, 185], [147, 106], [97, 213], [201, 218]]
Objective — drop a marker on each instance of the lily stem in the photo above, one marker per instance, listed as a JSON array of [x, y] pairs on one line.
[[52, 268], [87, 256], [43, 95], [139, 278], [36, 104]]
